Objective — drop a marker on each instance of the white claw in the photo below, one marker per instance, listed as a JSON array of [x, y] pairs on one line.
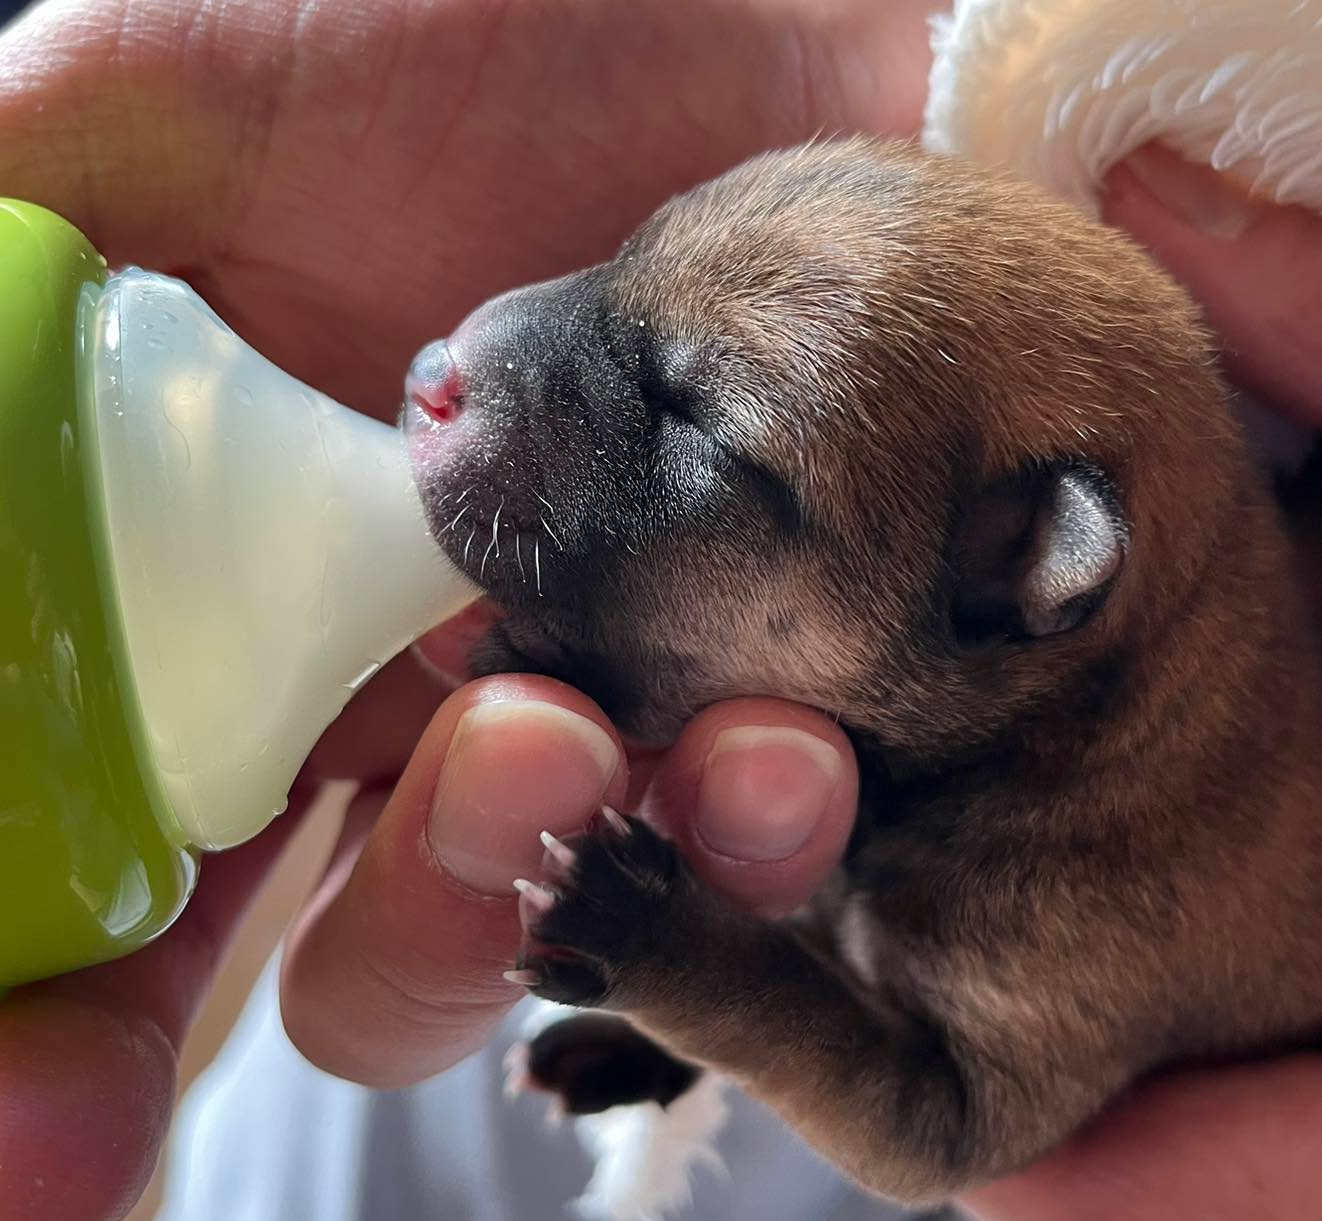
[[615, 820], [564, 856], [539, 898], [515, 1064], [525, 978]]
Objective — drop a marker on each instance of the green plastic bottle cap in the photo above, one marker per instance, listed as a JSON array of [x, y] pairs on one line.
[[86, 870]]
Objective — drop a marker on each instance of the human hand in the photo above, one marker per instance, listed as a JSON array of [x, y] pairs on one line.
[[394, 969], [1254, 267], [342, 184], [1225, 1144], [418, 918]]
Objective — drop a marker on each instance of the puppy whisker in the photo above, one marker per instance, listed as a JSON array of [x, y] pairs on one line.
[[460, 514], [547, 527]]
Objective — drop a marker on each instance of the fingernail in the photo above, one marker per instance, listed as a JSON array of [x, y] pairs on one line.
[[1206, 199], [515, 768], [764, 789]]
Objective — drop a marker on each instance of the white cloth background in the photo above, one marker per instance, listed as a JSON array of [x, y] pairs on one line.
[[263, 1136]]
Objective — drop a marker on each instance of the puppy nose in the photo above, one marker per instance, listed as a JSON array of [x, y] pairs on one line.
[[434, 383]]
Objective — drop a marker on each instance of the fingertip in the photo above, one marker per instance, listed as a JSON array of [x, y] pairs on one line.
[[761, 796], [1154, 183], [420, 925], [85, 1098], [507, 758], [1169, 231]]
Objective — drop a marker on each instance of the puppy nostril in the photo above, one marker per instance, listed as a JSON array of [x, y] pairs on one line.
[[434, 384]]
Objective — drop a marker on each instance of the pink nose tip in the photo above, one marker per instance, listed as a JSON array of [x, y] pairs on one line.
[[434, 383]]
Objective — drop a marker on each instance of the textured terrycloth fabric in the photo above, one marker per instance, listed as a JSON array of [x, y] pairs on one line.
[[1058, 91]]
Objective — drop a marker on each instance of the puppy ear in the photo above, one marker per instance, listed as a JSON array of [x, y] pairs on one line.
[[1036, 554]]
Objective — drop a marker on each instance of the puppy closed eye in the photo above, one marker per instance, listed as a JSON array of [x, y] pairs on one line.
[[737, 471], [681, 419], [666, 398], [662, 402], [672, 395]]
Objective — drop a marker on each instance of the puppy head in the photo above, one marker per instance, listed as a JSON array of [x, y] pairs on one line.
[[849, 425]]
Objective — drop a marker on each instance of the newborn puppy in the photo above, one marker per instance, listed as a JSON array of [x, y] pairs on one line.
[[925, 449]]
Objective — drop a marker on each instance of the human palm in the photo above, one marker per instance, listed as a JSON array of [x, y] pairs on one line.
[[344, 181]]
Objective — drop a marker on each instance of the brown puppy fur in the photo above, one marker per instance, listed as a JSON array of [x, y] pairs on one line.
[[933, 452]]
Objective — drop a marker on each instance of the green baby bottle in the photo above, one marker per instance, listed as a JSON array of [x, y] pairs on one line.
[[201, 559]]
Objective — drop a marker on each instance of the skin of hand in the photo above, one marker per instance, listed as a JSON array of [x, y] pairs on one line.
[[343, 183], [1254, 266]]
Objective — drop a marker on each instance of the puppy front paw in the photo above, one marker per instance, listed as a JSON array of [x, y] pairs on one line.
[[591, 1062], [602, 915]]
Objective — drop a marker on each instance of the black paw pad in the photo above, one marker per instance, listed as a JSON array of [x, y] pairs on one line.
[[597, 914], [596, 1061]]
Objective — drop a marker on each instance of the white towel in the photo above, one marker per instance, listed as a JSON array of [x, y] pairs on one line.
[[1058, 91]]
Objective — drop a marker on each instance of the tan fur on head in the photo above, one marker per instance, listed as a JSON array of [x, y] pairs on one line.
[[887, 333]]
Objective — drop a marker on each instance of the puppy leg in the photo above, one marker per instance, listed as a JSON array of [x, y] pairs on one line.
[[873, 1081], [595, 1061], [648, 1120]]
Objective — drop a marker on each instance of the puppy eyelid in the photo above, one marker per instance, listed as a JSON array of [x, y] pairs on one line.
[[775, 493], [660, 398]]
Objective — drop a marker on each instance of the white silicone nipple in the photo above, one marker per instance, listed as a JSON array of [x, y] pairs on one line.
[[268, 549]]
